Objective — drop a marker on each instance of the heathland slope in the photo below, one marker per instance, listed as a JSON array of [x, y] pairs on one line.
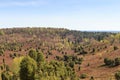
[[83, 52]]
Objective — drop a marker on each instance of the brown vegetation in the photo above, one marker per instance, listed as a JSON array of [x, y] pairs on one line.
[[91, 47]]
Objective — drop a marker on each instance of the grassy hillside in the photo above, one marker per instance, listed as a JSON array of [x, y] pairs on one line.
[[79, 55]]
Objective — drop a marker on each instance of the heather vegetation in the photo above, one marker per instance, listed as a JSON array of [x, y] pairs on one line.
[[58, 54]]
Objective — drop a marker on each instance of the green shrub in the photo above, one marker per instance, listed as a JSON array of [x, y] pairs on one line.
[[109, 62], [115, 47], [71, 64], [40, 57], [112, 63], [79, 68], [91, 78], [7, 68], [117, 61], [28, 67], [117, 75], [5, 76], [15, 77], [33, 54], [1, 52], [83, 76], [1, 67]]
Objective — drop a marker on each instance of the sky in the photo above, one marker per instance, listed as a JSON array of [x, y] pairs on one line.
[[85, 15]]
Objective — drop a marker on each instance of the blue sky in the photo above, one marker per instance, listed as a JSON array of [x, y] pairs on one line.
[[72, 14]]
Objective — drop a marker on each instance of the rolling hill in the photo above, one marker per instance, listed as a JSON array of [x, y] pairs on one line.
[[84, 52]]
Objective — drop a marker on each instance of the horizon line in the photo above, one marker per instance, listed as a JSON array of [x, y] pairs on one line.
[[61, 28]]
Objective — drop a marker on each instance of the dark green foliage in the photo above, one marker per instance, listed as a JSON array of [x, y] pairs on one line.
[[55, 69], [15, 46], [117, 75], [93, 50], [109, 62], [59, 70], [71, 64], [14, 55], [27, 69], [40, 57], [1, 67], [79, 68], [69, 58], [40, 60], [7, 68], [83, 76], [49, 53], [66, 58], [3, 61], [80, 50], [117, 61], [115, 47], [11, 56], [59, 58], [33, 54], [5, 75], [106, 61], [88, 64], [15, 77], [1, 52], [91, 78]]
